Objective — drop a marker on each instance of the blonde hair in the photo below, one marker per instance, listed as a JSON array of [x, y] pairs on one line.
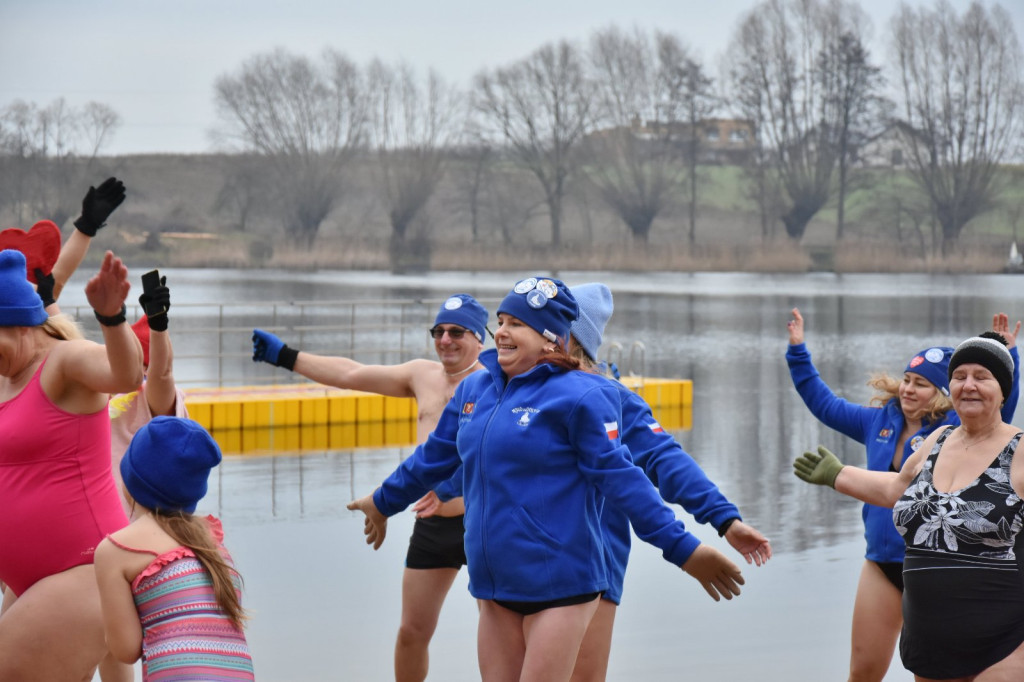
[[889, 388], [194, 533], [62, 327]]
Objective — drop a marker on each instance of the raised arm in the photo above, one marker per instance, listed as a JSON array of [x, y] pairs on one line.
[[161, 393], [97, 205], [390, 380]]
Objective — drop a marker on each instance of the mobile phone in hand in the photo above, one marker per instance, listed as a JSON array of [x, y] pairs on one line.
[[150, 281]]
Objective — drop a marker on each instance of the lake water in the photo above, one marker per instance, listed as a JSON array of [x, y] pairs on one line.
[[326, 607]]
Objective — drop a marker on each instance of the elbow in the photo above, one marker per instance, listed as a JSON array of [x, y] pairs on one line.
[[124, 652]]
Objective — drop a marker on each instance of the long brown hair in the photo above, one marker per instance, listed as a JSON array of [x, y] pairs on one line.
[[195, 533]]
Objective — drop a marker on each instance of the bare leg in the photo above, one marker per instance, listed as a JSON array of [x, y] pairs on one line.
[[553, 639], [500, 643], [592, 662], [423, 594], [877, 620], [54, 631]]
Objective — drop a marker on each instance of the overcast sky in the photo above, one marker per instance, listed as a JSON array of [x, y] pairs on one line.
[[155, 61]]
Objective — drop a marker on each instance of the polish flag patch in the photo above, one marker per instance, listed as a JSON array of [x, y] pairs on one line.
[[655, 427], [613, 430]]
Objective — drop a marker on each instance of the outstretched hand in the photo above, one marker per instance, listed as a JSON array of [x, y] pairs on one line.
[[749, 542], [98, 204], [158, 298], [375, 527], [719, 576], [796, 328], [427, 506], [1001, 326], [108, 288], [820, 468]]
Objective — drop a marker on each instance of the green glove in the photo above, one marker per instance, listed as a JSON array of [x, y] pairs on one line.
[[820, 468]]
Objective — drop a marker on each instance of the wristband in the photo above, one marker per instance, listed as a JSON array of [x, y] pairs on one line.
[[725, 526], [111, 320], [286, 358]]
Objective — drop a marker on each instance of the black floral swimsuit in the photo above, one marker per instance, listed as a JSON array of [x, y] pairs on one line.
[[963, 606]]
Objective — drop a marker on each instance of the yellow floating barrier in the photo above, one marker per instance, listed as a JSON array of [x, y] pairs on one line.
[[309, 417]]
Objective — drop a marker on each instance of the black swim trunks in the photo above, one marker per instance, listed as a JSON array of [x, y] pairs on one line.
[[528, 608], [437, 542]]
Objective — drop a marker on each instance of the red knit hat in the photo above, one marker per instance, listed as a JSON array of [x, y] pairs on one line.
[[141, 329]]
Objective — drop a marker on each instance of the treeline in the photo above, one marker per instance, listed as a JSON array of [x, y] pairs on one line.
[[628, 117]]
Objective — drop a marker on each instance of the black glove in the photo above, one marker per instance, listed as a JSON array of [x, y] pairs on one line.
[[44, 287], [98, 204], [153, 302]]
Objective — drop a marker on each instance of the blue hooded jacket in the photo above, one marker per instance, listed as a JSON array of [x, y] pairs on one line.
[[538, 451], [879, 429]]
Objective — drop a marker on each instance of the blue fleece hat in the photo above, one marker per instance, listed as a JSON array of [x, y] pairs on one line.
[[595, 301], [20, 305], [933, 365], [465, 311], [545, 304], [167, 463]]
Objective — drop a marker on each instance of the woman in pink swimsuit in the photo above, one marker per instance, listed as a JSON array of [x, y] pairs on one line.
[[59, 498]]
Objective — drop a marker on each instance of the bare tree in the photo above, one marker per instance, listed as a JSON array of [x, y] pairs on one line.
[[413, 123], [856, 86], [633, 156], [690, 90], [961, 82], [49, 155], [305, 120], [540, 108], [778, 82]]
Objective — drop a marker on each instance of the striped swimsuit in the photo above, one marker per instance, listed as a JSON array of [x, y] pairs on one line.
[[185, 635]]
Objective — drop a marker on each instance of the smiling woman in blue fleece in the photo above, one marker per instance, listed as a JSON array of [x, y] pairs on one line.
[[538, 441]]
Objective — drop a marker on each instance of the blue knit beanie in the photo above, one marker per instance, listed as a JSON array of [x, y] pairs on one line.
[[545, 304], [20, 305], [933, 365], [465, 311], [595, 301], [167, 464]]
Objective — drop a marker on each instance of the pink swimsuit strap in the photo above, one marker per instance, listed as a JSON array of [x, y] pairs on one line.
[[132, 549]]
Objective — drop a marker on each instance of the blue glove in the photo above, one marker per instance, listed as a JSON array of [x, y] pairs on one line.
[[268, 348]]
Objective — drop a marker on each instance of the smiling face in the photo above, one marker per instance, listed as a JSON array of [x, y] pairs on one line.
[[915, 393], [975, 392], [519, 346], [458, 351]]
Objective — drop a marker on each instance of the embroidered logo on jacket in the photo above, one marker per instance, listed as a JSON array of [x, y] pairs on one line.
[[467, 408], [613, 430], [525, 414]]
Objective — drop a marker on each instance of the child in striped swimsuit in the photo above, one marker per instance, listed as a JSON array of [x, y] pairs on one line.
[[168, 588]]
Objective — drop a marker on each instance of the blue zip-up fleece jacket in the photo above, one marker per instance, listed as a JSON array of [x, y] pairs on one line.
[[878, 428], [536, 451], [678, 477]]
